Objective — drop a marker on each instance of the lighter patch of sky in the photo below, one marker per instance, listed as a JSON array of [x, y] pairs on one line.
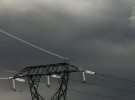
[[132, 18], [73, 7]]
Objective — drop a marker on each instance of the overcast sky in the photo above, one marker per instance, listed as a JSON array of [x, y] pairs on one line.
[[95, 34]]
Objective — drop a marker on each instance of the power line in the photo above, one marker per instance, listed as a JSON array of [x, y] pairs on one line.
[[84, 92], [124, 90], [119, 89], [103, 75], [30, 44], [78, 91], [67, 59], [6, 71], [100, 85], [87, 93], [90, 93], [87, 83], [109, 76]]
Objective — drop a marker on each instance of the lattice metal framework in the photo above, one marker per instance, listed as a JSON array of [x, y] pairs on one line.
[[34, 74]]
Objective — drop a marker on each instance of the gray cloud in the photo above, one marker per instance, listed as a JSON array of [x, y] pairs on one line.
[[132, 18], [90, 32]]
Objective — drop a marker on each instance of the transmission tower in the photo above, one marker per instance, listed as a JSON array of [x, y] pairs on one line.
[[34, 74]]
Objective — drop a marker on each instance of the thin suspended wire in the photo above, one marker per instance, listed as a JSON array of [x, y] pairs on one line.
[[4, 78], [30, 44], [119, 89], [100, 85], [109, 76], [95, 94], [83, 92], [89, 93], [9, 71], [103, 75], [57, 55]]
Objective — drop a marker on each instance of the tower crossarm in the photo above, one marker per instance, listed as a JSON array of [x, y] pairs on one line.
[[50, 69]]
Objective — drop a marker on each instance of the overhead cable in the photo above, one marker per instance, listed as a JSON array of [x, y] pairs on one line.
[[87, 93], [94, 84], [30, 44], [101, 85], [90, 93], [118, 78]]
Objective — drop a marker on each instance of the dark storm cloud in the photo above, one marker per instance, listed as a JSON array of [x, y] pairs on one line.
[[90, 32]]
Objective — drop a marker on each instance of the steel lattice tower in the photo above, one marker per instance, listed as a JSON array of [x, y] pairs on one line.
[[34, 74]]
